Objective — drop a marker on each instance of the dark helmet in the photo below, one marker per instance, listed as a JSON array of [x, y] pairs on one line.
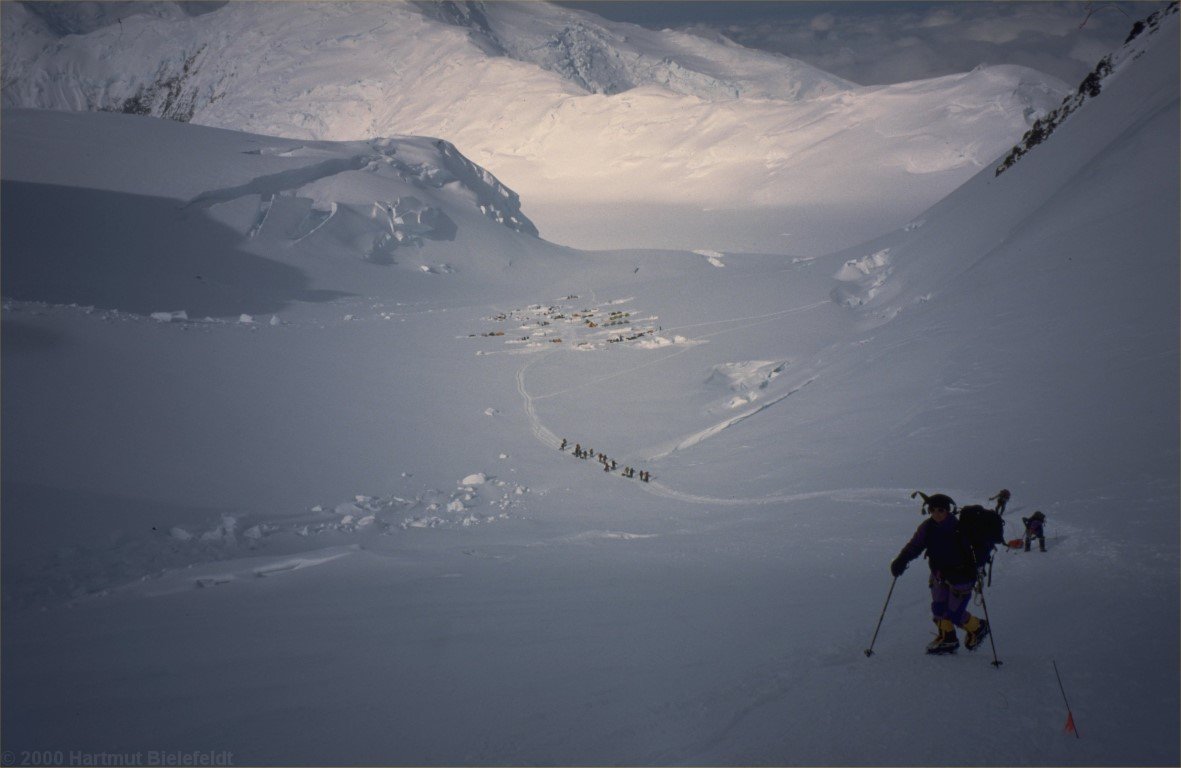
[[940, 501]]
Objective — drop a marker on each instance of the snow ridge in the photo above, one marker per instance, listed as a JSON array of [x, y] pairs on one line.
[[495, 200], [1090, 87], [608, 58]]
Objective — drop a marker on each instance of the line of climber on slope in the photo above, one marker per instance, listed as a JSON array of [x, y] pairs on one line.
[[609, 464]]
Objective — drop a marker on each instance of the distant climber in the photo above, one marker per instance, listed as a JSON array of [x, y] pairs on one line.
[[1035, 528], [1001, 499]]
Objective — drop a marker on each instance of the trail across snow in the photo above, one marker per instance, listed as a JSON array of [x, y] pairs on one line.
[[752, 321], [709, 432], [546, 436], [551, 440]]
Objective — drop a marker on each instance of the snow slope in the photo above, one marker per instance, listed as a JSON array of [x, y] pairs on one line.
[[322, 517], [676, 140]]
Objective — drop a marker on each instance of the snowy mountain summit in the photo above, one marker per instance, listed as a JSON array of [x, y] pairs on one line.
[[608, 58], [587, 119], [422, 163]]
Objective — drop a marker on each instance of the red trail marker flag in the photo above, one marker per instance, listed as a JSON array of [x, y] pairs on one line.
[[1070, 727]]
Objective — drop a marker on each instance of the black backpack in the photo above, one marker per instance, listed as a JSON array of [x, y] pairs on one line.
[[983, 529]]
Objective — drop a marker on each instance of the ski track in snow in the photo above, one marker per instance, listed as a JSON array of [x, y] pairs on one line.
[[183, 579], [860, 494], [760, 319], [548, 438], [209, 552], [608, 377], [709, 432], [540, 431]]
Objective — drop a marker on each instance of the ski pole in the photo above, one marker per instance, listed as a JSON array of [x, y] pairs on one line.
[[984, 604], [869, 650]]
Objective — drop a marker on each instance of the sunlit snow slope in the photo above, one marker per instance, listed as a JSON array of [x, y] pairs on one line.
[[619, 136]]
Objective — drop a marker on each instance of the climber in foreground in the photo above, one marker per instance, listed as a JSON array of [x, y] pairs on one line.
[[953, 575]]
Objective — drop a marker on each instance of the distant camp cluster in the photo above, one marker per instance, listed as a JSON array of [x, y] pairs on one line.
[[564, 322], [609, 464]]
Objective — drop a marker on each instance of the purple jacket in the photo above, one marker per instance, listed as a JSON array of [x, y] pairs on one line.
[[948, 554], [1033, 526]]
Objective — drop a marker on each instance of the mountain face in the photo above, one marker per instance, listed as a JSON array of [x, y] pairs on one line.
[[587, 119], [383, 203], [1051, 273], [606, 58], [1091, 86]]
